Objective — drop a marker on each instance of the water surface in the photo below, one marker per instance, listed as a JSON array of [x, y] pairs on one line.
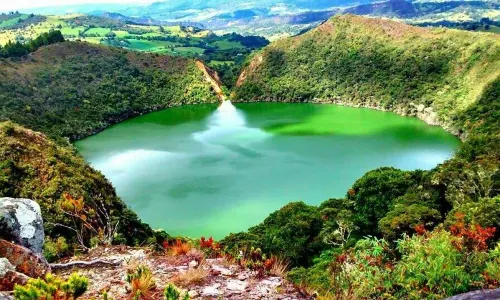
[[208, 170]]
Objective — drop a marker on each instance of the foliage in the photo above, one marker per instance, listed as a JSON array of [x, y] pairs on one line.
[[89, 219], [291, 232], [34, 167], [142, 283], [210, 247], [485, 212], [172, 293], [374, 193], [375, 62], [52, 287], [179, 247], [75, 89], [16, 49], [54, 249]]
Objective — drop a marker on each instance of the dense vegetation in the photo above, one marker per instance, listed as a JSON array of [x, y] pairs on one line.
[[396, 234], [32, 166], [18, 49], [71, 90], [74, 89], [372, 62]]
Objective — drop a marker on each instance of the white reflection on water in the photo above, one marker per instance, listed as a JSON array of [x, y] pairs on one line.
[[227, 125]]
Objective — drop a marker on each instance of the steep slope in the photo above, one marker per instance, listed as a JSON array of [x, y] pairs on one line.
[[74, 89], [32, 166], [435, 74]]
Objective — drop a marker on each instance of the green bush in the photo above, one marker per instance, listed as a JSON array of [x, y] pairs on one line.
[[292, 232], [172, 293], [374, 193], [52, 287], [55, 248]]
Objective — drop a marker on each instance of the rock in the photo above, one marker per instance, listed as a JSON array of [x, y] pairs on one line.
[[21, 222], [222, 270], [211, 291], [193, 264], [236, 285], [193, 294], [24, 260], [9, 277], [477, 295], [6, 296]]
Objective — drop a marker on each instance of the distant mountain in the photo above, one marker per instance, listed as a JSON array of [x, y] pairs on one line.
[[142, 20], [276, 18]]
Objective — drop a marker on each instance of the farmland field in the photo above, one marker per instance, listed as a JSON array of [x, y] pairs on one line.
[[225, 53]]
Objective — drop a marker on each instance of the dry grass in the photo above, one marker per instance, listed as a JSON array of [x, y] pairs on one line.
[[132, 265], [192, 276], [279, 267], [195, 254], [180, 248]]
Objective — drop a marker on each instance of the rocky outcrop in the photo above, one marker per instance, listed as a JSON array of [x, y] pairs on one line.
[[21, 222], [24, 260], [221, 279], [213, 78], [9, 276], [478, 295]]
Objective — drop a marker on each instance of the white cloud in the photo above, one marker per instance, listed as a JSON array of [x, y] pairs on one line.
[[7, 5]]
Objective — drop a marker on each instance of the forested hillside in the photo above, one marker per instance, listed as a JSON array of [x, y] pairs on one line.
[[373, 62], [396, 234], [74, 89], [77, 202]]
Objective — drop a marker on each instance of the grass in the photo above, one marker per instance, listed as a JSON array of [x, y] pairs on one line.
[[225, 45], [189, 50], [150, 46], [99, 30], [280, 267], [75, 31], [192, 276]]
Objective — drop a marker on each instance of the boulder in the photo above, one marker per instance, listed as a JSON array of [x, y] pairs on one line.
[[478, 295], [21, 223], [9, 276], [24, 260]]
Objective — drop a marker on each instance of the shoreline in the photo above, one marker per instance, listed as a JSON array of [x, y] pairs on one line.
[[425, 114]]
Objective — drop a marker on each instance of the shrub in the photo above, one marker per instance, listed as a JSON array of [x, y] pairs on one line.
[[291, 232], [431, 267], [55, 248], [403, 219], [180, 247], [52, 287], [172, 293], [374, 193], [142, 283], [192, 276]]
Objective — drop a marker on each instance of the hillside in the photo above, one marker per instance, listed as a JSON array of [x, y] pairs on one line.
[[435, 74], [32, 166], [396, 234], [74, 89]]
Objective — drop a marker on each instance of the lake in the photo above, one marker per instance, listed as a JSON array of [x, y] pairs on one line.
[[207, 171]]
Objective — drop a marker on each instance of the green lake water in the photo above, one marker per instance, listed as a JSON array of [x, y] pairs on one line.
[[208, 171]]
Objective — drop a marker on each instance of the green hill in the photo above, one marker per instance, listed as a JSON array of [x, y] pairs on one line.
[[32, 166], [436, 74], [74, 89], [396, 234], [71, 90]]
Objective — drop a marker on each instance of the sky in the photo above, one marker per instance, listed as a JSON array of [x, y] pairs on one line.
[[7, 5]]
